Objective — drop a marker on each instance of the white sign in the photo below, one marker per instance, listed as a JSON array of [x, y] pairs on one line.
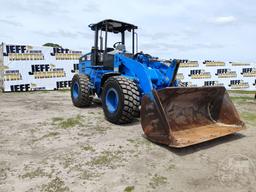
[[29, 68], [232, 75]]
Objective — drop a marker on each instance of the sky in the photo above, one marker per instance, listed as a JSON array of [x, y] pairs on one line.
[[182, 29]]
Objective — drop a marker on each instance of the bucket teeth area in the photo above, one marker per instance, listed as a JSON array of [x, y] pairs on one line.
[[188, 137], [180, 117]]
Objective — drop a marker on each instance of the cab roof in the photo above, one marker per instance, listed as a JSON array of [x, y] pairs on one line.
[[112, 26]]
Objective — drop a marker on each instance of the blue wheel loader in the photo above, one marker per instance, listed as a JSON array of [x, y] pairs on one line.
[[132, 84]]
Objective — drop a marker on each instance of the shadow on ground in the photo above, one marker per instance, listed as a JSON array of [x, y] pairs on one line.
[[202, 146]]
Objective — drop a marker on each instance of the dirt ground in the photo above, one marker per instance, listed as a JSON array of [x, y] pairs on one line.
[[47, 144]]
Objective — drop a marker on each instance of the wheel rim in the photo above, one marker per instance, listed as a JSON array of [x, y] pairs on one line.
[[112, 100], [75, 91]]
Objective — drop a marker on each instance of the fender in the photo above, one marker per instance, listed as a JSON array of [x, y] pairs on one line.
[[107, 75], [139, 70]]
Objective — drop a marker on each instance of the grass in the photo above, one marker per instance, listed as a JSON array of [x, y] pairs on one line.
[[129, 189], [157, 180], [35, 173], [245, 95], [67, 123], [35, 92], [140, 142], [242, 98], [249, 117], [44, 91], [241, 92], [88, 148], [63, 90], [67, 162], [56, 119], [86, 175], [171, 167], [107, 159], [104, 159], [56, 185]]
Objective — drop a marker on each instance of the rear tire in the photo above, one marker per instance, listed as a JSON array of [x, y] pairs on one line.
[[120, 100], [80, 92]]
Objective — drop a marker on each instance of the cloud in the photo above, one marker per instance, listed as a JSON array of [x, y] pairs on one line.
[[160, 35], [42, 7], [224, 20], [170, 35], [86, 35], [9, 22], [179, 46], [91, 7], [221, 29], [59, 33], [65, 34]]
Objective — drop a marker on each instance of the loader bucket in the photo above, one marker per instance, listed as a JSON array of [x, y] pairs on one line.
[[181, 117]]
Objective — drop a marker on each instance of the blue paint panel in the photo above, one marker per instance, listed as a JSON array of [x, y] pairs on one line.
[[112, 100], [75, 91], [147, 72]]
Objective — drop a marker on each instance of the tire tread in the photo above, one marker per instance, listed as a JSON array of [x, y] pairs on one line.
[[84, 99], [131, 99]]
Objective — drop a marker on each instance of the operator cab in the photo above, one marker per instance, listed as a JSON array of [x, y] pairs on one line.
[[102, 54]]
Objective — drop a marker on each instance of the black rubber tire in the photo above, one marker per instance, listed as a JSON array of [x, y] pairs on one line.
[[84, 98], [137, 113], [129, 100]]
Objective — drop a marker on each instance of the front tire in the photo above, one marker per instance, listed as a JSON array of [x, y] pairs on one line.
[[80, 91], [120, 100]]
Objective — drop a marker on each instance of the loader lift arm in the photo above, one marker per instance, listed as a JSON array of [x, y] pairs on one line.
[[149, 78]]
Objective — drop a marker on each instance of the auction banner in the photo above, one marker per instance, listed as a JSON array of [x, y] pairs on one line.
[[232, 75], [30, 68]]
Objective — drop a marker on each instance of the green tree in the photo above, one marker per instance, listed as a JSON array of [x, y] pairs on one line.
[[52, 45]]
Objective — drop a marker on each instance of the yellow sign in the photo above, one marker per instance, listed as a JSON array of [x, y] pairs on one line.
[[25, 56], [240, 86], [4, 67], [189, 64], [204, 75], [214, 63], [227, 74], [67, 56], [250, 73], [49, 74], [239, 64], [12, 76]]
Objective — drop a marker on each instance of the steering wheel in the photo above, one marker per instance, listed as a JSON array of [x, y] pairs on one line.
[[141, 53], [117, 43]]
